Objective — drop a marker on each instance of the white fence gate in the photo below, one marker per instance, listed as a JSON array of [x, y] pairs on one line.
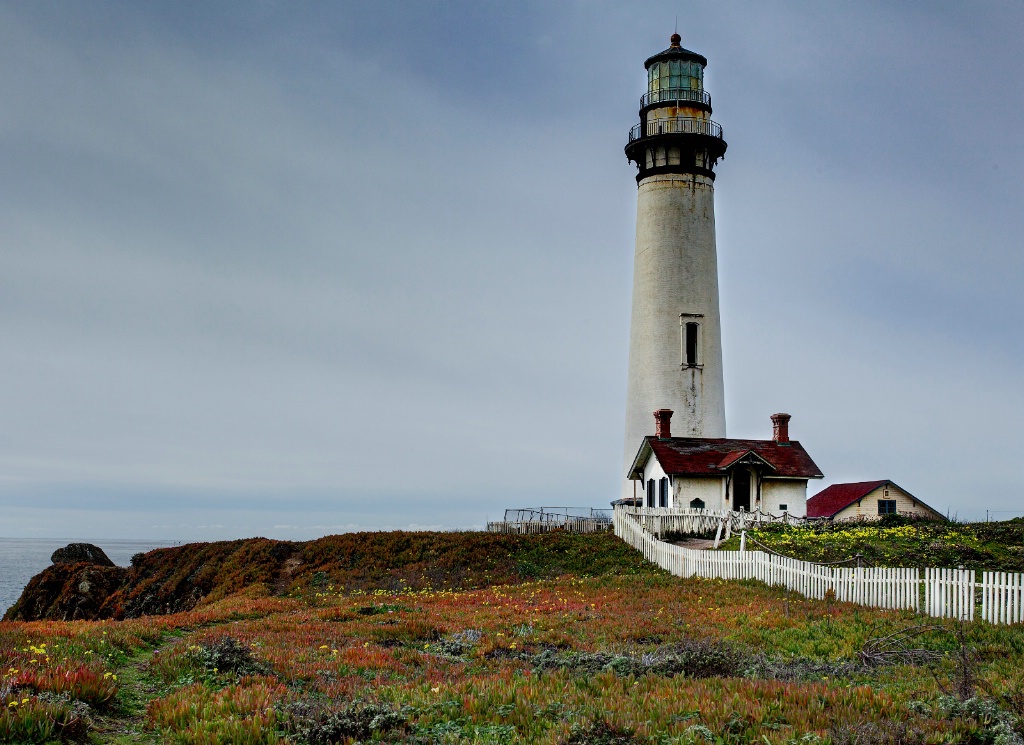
[[941, 593]]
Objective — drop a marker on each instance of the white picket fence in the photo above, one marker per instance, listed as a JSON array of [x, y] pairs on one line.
[[940, 593], [1001, 597]]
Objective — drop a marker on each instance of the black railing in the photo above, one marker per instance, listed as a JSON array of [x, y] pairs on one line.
[[557, 515], [676, 125], [684, 95]]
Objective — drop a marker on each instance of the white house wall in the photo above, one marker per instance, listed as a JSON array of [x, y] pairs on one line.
[[712, 491], [708, 489], [789, 492], [652, 470]]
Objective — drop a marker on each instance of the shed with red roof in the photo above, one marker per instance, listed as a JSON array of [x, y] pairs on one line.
[[868, 500]]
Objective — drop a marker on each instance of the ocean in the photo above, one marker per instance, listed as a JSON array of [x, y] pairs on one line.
[[23, 558]]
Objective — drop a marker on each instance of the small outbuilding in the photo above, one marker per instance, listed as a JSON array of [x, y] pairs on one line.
[[722, 474], [868, 500]]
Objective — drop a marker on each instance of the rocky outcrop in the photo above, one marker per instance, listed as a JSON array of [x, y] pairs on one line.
[[81, 553], [167, 580], [68, 592]]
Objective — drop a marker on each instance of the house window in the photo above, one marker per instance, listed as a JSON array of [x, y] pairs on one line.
[[690, 332], [650, 492], [697, 504], [783, 507], [663, 492], [886, 506]]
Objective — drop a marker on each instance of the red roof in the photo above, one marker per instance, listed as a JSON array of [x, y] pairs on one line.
[[837, 497], [701, 456]]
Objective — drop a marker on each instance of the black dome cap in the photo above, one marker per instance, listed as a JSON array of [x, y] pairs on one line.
[[676, 52]]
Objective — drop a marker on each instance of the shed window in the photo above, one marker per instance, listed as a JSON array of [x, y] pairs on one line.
[[783, 507], [886, 506], [690, 331], [663, 492], [650, 492]]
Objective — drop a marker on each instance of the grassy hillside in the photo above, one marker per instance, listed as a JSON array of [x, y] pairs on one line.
[[571, 647], [897, 541], [172, 580]]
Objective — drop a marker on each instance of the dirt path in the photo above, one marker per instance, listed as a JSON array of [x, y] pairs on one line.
[[126, 721], [696, 543]]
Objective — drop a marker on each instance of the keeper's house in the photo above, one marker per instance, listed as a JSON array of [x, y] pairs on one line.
[[723, 474], [868, 500]]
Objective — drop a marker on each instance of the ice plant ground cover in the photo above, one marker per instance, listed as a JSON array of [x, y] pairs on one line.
[[174, 579], [600, 657]]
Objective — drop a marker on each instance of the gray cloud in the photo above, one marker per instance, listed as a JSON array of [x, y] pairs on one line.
[[370, 265]]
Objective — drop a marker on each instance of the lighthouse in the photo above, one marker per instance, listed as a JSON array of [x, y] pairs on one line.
[[675, 338]]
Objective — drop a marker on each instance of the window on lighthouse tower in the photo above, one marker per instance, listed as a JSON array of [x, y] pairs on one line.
[[690, 336]]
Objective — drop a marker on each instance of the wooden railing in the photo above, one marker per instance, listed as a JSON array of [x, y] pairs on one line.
[[662, 520]]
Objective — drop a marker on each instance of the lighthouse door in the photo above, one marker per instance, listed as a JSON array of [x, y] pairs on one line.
[[741, 490]]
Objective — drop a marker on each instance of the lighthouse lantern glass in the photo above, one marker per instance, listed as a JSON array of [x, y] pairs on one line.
[[675, 74]]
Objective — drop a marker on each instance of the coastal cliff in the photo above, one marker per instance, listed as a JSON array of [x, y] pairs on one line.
[[171, 580]]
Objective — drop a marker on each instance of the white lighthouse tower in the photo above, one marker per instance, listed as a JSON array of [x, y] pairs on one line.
[[675, 340]]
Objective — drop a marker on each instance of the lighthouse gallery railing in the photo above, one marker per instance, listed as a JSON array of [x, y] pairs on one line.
[[669, 95], [676, 125]]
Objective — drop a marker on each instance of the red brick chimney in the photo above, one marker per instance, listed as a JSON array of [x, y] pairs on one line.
[[780, 427], [663, 420]]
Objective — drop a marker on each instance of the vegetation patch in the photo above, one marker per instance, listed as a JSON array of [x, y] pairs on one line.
[[595, 655], [600, 733], [895, 540], [693, 658], [179, 579], [26, 719], [315, 723]]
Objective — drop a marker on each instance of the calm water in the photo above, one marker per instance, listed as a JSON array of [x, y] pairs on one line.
[[22, 558]]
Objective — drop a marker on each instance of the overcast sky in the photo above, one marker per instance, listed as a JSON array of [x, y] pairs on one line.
[[284, 269]]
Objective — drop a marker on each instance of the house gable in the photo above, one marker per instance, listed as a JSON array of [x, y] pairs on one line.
[[745, 458]]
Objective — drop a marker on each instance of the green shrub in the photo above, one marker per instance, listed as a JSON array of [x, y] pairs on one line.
[[313, 724], [691, 658], [600, 733], [227, 655], [30, 720]]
